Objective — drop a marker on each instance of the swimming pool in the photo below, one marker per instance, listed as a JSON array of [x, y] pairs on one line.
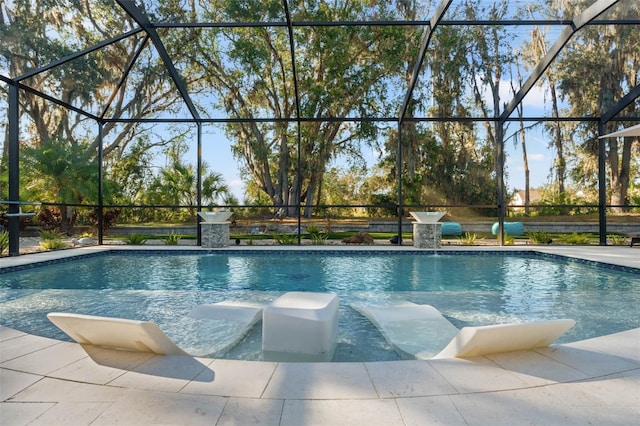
[[469, 289]]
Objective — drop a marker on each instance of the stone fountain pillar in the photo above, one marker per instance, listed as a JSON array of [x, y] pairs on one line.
[[427, 232], [215, 234], [215, 229], [427, 235]]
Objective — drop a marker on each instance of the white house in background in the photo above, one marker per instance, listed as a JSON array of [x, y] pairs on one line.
[[518, 198]]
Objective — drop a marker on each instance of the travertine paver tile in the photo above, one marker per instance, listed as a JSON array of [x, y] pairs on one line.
[[71, 414], [534, 406], [430, 410], [19, 414], [7, 333], [633, 374], [320, 380], [250, 411], [476, 374], [608, 392], [23, 345], [166, 373], [407, 378], [626, 416], [47, 359], [141, 408], [101, 366], [625, 344], [536, 369], [592, 363], [232, 378], [12, 382], [370, 412], [55, 390]]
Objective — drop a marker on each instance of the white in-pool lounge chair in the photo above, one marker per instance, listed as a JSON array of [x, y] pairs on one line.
[[241, 315], [423, 333], [115, 333], [415, 331], [246, 313], [491, 339]]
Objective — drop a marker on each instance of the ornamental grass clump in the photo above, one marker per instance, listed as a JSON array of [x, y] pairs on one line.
[[136, 239], [286, 239], [172, 239], [539, 237], [469, 239], [51, 240], [4, 242], [576, 239], [316, 235]]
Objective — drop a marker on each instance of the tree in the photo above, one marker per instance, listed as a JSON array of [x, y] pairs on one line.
[[522, 136], [341, 186], [446, 162], [592, 85], [60, 173], [36, 34], [176, 183], [250, 69]]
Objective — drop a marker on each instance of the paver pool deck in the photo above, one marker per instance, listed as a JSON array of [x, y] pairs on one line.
[[595, 381]]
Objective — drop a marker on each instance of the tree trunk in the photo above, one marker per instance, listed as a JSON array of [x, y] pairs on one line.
[[561, 164], [620, 175], [525, 164]]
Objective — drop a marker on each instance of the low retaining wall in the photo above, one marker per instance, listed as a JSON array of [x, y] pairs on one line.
[[390, 226], [560, 227]]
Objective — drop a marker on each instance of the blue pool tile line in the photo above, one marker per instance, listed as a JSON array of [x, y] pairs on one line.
[[328, 252], [587, 262], [41, 263]]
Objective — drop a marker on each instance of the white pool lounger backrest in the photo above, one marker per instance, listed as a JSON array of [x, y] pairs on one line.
[[115, 333], [491, 339]]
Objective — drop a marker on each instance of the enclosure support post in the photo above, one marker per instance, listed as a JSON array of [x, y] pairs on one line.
[[14, 170], [500, 179], [299, 179], [199, 186], [400, 207], [100, 183], [602, 187]]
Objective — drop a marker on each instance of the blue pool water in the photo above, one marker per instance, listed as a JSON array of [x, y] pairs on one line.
[[467, 289]]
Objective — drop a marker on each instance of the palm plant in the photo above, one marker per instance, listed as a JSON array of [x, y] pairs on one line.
[[176, 183], [136, 239], [60, 172], [4, 241]]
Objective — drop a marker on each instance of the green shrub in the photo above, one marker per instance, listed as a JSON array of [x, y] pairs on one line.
[[4, 241], [617, 240], [109, 219], [172, 239], [313, 230], [508, 239], [286, 239], [539, 237], [576, 239], [50, 234], [319, 239], [51, 239], [316, 235], [52, 244], [468, 239], [136, 239]]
